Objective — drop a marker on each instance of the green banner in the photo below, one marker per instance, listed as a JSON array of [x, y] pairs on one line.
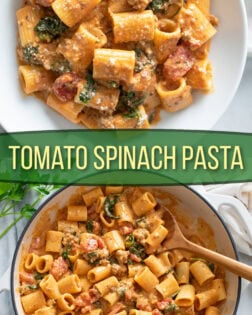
[[126, 157]]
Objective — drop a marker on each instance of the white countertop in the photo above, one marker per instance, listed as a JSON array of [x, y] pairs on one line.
[[238, 118]]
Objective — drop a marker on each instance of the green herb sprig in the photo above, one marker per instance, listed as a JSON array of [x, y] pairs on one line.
[[13, 195]]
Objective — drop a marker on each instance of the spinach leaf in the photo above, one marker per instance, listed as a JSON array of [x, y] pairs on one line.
[[168, 7], [135, 247], [129, 102], [30, 54], [90, 226], [61, 66], [171, 308], [109, 206], [93, 259], [33, 286], [130, 241], [49, 28], [89, 90]]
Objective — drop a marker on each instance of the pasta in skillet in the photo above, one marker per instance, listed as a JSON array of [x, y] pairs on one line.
[[115, 64], [105, 256]]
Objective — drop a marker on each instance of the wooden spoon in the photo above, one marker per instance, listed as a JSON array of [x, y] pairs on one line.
[[176, 240]]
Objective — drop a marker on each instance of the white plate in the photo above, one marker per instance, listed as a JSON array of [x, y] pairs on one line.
[[249, 10], [228, 55]]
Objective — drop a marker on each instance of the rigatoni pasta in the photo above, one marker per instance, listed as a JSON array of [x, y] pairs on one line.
[[133, 26], [72, 11], [87, 266], [115, 64]]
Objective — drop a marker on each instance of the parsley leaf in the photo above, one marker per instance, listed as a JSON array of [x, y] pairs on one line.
[[168, 7], [12, 196]]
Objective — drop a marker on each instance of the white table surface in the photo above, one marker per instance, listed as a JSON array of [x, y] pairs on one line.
[[238, 118]]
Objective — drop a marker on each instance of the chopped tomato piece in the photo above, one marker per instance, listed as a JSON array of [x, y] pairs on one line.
[[143, 304], [37, 243], [101, 243], [26, 277], [83, 300], [59, 268], [126, 228], [65, 86], [178, 64], [89, 244], [94, 295]]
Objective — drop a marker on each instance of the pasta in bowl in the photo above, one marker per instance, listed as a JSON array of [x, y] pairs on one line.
[[99, 251], [115, 64]]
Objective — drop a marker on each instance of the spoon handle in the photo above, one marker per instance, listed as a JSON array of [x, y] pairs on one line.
[[236, 267]]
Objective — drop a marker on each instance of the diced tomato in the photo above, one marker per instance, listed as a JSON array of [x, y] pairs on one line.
[[126, 228], [178, 63], [101, 243], [37, 243], [59, 268], [94, 295], [128, 295], [26, 277], [86, 299], [89, 244], [143, 304], [65, 86], [83, 300]]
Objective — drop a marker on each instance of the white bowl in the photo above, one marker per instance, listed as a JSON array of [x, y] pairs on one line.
[[190, 203], [228, 55]]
